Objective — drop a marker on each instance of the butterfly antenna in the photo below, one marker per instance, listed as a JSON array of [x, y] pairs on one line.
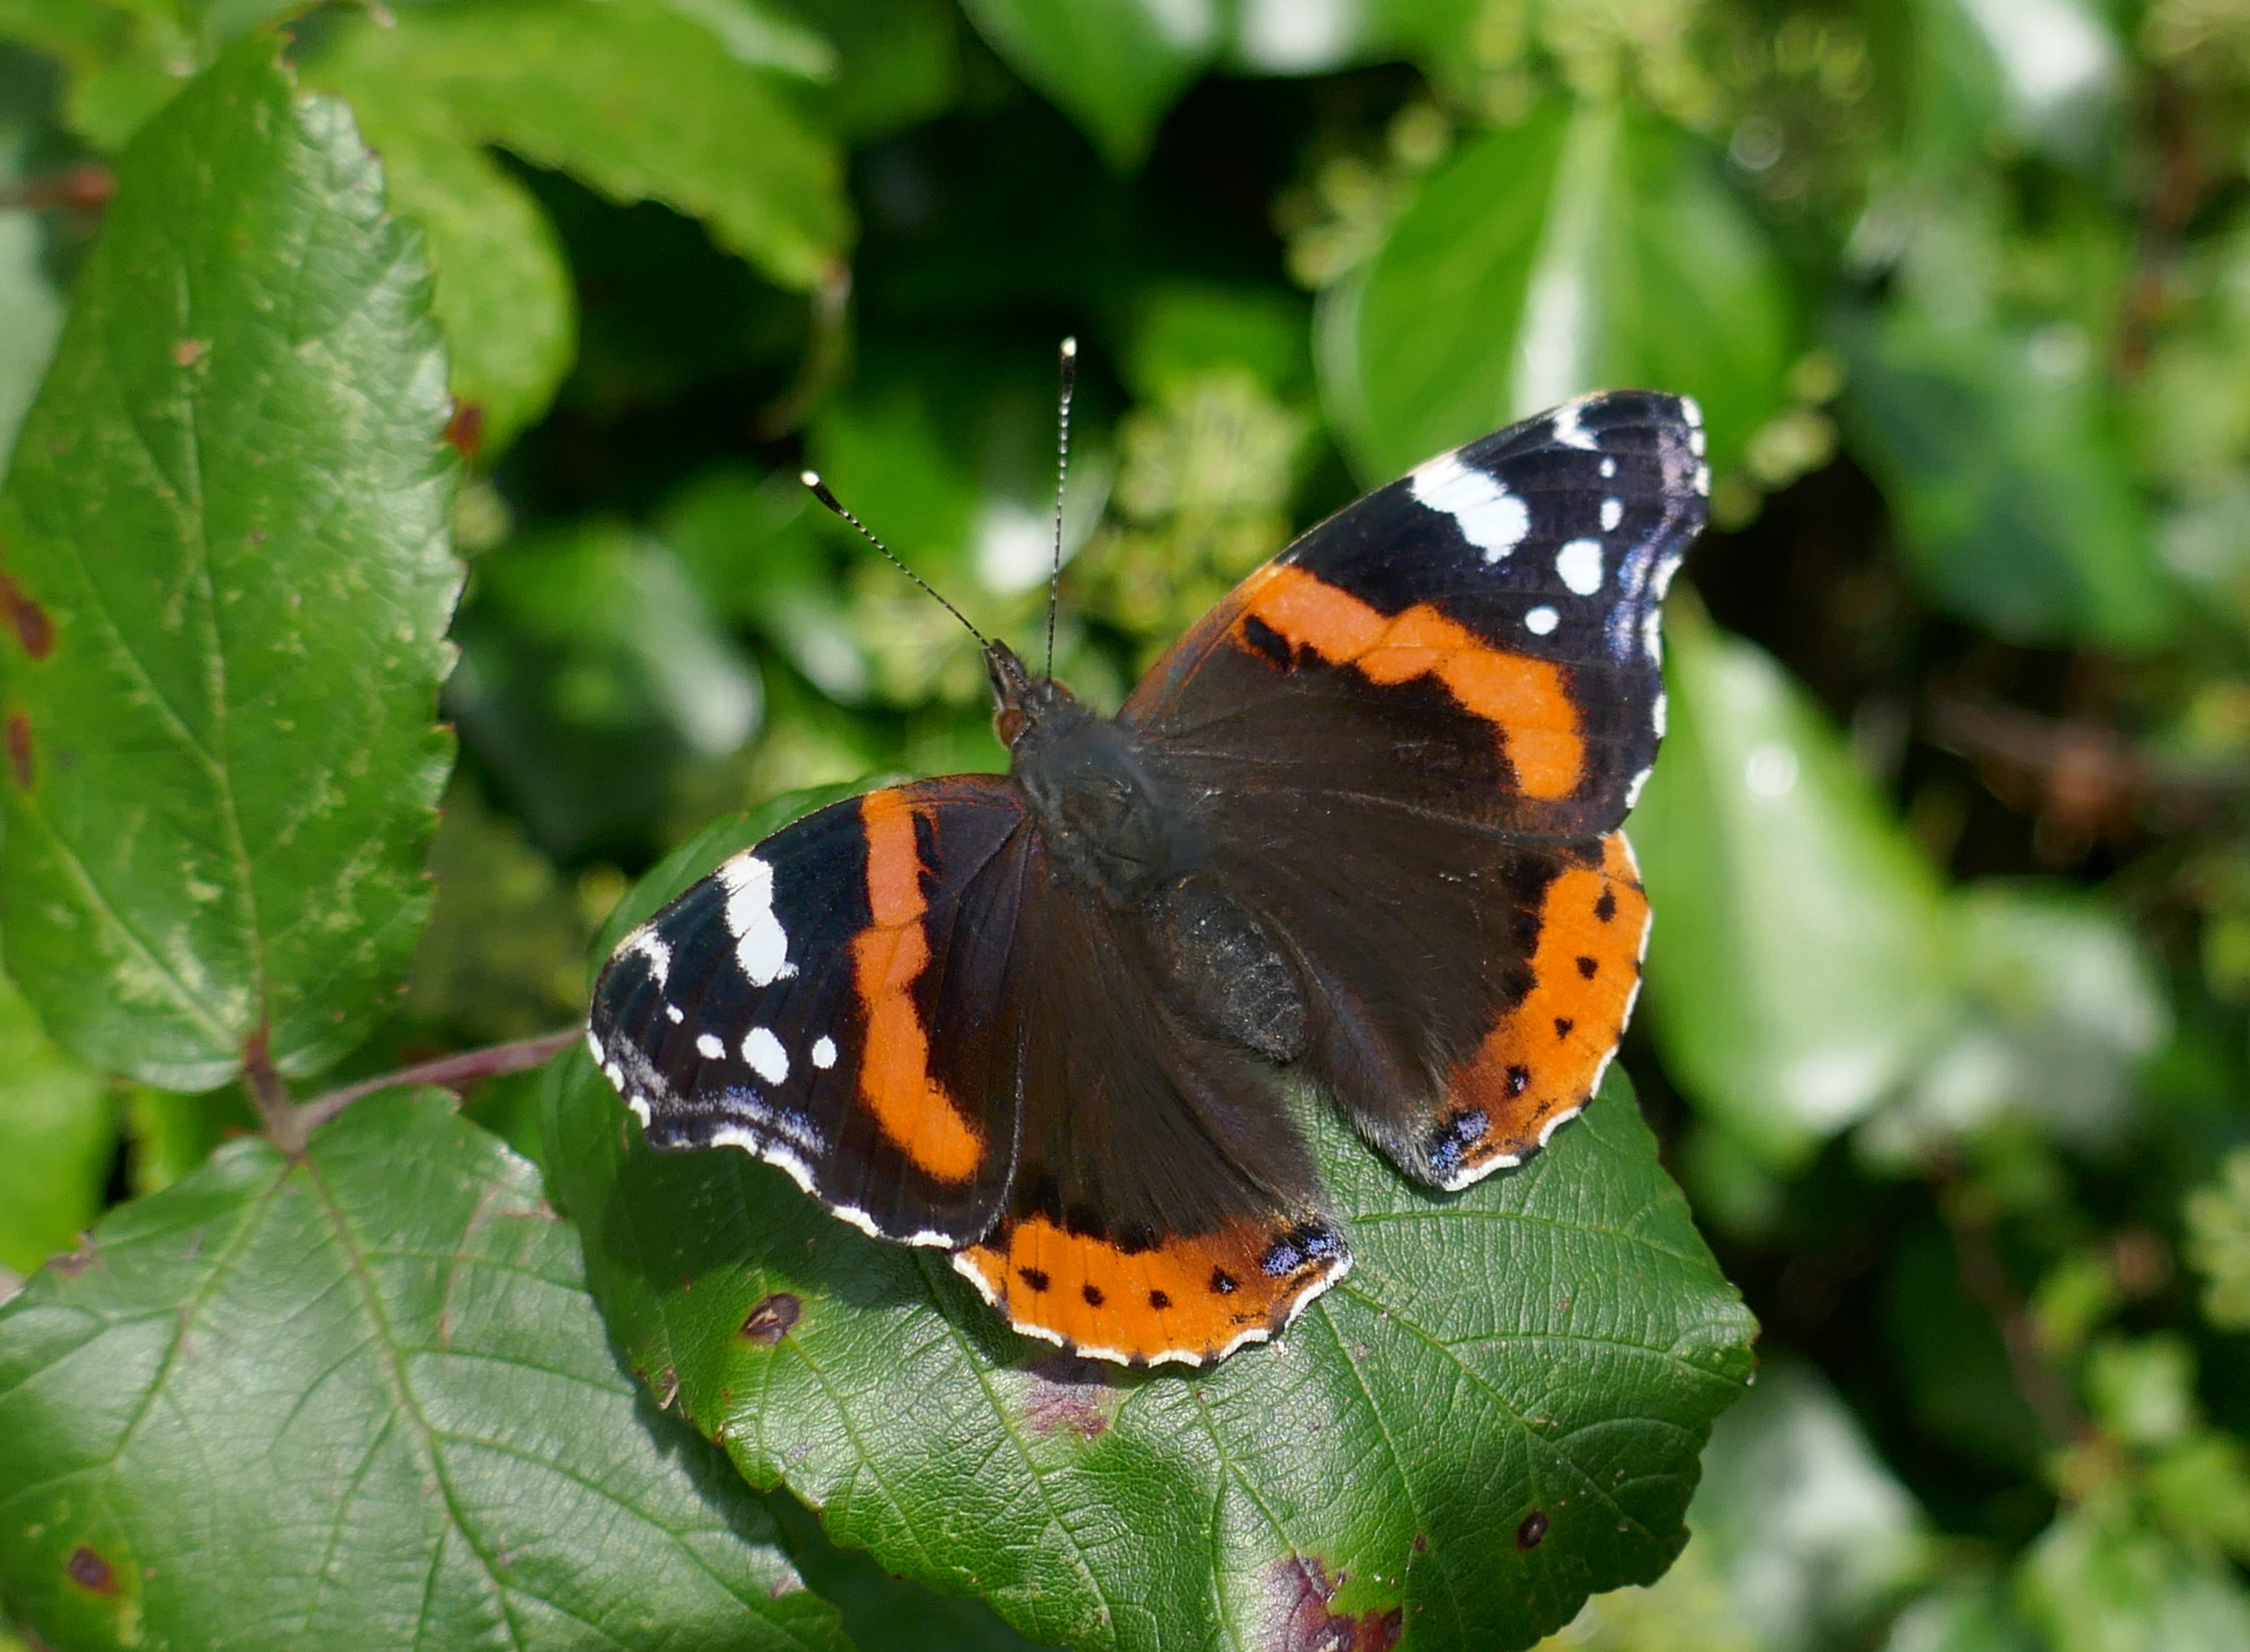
[[1062, 475], [811, 479]]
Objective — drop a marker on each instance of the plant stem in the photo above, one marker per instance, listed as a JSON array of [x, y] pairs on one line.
[[454, 1072]]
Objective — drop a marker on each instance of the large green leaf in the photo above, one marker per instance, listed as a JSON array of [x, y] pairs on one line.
[[1114, 66], [359, 1399], [1556, 1341], [642, 100], [1587, 247], [30, 310], [225, 525], [502, 293], [58, 1141], [1797, 968]]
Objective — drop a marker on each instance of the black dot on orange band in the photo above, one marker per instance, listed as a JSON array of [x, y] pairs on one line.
[[1035, 1277], [1519, 1080], [1606, 908], [1159, 1301], [1092, 1295], [1222, 1283], [1563, 1025], [1587, 967]]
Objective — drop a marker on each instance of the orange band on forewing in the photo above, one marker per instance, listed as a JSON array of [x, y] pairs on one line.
[[887, 958], [1586, 972], [1192, 1297], [1525, 698]]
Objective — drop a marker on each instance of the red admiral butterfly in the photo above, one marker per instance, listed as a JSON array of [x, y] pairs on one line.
[[1356, 831]]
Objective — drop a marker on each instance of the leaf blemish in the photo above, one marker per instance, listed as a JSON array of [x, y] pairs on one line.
[[1070, 1395], [771, 1320], [1533, 1530], [188, 351], [19, 750], [33, 629], [1299, 1593], [90, 1571]]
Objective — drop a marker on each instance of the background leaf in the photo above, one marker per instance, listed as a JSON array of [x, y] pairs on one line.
[[1587, 247], [1797, 970], [445, 1448], [1112, 65], [226, 524], [637, 97]]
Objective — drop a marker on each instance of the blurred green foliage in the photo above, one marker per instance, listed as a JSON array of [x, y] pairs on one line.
[[1948, 1023]]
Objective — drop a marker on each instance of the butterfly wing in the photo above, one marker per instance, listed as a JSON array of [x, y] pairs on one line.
[[1458, 676], [787, 1005], [1165, 1208]]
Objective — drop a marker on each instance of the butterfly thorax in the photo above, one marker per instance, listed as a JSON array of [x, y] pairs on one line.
[[1104, 820]]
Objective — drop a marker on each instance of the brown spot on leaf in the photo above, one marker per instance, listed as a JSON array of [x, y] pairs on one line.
[[465, 431], [771, 1320], [19, 750], [33, 629], [1533, 1530], [1299, 1619], [1070, 1395], [75, 1262], [85, 187], [188, 351], [90, 1571]]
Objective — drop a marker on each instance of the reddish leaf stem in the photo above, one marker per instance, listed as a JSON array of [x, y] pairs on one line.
[[453, 1072]]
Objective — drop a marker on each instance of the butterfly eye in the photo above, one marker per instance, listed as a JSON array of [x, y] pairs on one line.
[[1009, 724]]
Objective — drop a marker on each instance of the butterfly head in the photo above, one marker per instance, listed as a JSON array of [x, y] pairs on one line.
[[1021, 701]]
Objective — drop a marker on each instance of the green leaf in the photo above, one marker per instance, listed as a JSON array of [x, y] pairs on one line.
[[359, 1399], [901, 62], [226, 521], [58, 1141], [1795, 973], [1114, 66], [30, 309], [502, 295], [636, 98], [1587, 247], [2012, 500], [2099, 1581], [1557, 1340]]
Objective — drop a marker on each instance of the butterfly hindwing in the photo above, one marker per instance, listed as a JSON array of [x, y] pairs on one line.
[[791, 1004]]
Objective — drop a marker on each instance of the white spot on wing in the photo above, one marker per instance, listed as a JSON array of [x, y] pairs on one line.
[[1569, 433], [652, 946], [1660, 713], [639, 1105], [1692, 410], [1609, 467], [767, 1058], [1651, 635], [1542, 620], [1697, 442], [1612, 513], [823, 1054], [1489, 517], [1578, 565], [709, 1046], [1632, 791], [674, 1014], [761, 944], [593, 1046], [1703, 480]]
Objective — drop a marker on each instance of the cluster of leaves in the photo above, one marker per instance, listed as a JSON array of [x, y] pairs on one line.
[[303, 335]]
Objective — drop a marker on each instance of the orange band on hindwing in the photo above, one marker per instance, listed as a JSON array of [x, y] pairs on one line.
[[1525, 698], [1540, 1060], [1188, 1299], [888, 958]]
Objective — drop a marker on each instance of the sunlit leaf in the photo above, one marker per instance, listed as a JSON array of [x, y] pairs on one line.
[[1797, 970], [1587, 247], [1555, 1340], [225, 527], [359, 1399]]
